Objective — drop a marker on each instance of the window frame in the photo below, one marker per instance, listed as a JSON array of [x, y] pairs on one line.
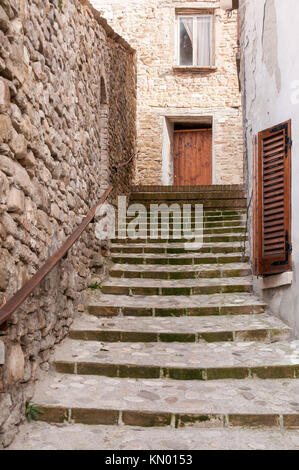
[[194, 16]]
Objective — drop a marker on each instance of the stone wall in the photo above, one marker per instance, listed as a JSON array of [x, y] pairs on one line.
[[167, 95], [67, 131]]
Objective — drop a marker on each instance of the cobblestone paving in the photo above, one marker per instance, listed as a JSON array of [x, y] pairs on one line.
[[231, 396], [214, 355], [181, 301], [179, 283], [181, 325]]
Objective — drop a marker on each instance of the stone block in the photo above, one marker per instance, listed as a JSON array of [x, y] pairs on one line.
[[16, 201], [7, 268], [89, 368], [139, 372], [2, 352], [18, 145], [20, 175], [146, 419], [94, 416], [6, 128], [254, 420], [16, 365], [5, 407], [55, 211], [53, 414], [43, 222], [4, 20], [4, 187], [29, 160], [4, 95]]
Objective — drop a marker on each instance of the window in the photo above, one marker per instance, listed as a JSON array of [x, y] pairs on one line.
[[272, 204], [195, 41]]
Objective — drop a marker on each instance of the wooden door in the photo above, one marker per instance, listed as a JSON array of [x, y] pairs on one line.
[[193, 157]]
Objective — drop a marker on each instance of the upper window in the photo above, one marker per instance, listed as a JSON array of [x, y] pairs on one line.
[[195, 41]]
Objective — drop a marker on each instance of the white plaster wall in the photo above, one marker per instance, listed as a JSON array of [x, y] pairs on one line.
[[270, 80]]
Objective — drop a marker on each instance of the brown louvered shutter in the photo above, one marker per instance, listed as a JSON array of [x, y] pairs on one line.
[[273, 203]]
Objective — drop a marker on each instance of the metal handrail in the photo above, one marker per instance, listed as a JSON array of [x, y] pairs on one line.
[[12, 304]]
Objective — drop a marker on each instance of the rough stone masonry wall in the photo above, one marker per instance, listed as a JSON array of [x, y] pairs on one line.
[[149, 26], [67, 120]]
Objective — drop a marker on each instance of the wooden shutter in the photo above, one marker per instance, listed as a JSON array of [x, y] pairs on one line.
[[272, 214]]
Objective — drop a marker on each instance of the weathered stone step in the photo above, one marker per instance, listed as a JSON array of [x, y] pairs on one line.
[[181, 329], [170, 272], [159, 237], [184, 259], [180, 361], [208, 231], [137, 189], [184, 214], [217, 230], [44, 436], [191, 207], [188, 195], [165, 306], [166, 403], [206, 219], [217, 203], [118, 286], [178, 248]]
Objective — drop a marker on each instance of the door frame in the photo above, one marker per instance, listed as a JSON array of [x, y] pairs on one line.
[[168, 138]]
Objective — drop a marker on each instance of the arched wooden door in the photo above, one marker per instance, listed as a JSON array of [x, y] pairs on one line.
[[193, 157]]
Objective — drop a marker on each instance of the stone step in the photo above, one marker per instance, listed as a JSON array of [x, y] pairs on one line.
[[184, 259], [137, 189], [217, 230], [148, 271], [214, 203], [166, 306], [178, 248], [181, 329], [190, 207], [171, 237], [180, 361], [185, 211], [168, 229], [223, 223], [206, 219], [118, 286], [44, 436], [187, 195], [149, 403]]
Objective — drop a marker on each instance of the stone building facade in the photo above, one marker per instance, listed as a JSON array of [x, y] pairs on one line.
[[67, 131], [172, 96]]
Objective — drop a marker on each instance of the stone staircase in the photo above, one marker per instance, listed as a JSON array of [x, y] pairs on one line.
[[175, 351]]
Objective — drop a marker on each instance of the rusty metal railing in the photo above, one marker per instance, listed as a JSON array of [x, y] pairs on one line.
[[11, 306]]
